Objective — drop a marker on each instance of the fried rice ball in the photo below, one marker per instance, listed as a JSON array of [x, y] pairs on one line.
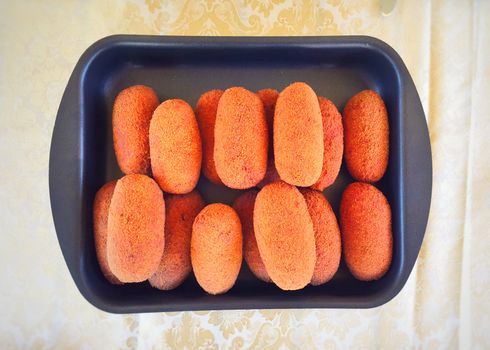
[[131, 115], [298, 135], [136, 228], [285, 235], [327, 236], [366, 136], [244, 206], [240, 139], [175, 265], [333, 144], [206, 109], [367, 239], [175, 147], [216, 248], [101, 213]]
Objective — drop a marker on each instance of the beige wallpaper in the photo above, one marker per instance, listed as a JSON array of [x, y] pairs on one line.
[[446, 302]]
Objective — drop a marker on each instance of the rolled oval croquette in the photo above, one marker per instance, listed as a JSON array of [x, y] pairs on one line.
[[333, 144], [175, 147], [298, 135], [102, 203], [285, 235], [136, 228], [366, 136], [240, 139], [206, 109], [327, 236], [175, 265], [367, 240], [131, 116], [216, 248], [244, 206]]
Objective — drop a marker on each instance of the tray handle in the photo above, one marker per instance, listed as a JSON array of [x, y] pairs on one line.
[[65, 174], [417, 172]]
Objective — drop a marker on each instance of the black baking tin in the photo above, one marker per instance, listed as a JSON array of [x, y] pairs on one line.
[[82, 157]]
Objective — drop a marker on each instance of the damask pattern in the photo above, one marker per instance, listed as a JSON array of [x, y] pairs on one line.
[[445, 303]]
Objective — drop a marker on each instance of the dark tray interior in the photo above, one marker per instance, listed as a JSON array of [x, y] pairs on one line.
[[82, 157]]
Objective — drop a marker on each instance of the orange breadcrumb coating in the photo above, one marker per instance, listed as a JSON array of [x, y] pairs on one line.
[[175, 266], [285, 236], [206, 109], [101, 212], [367, 240], [298, 135], [131, 117], [216, 248], [327, 236], [240, 139], [175, 147], [244, 206], [333, 144], [136, 228], [269, 99], [271, 174], [366, 136]]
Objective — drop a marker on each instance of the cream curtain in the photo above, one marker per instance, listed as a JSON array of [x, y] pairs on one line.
[[446, 302]]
